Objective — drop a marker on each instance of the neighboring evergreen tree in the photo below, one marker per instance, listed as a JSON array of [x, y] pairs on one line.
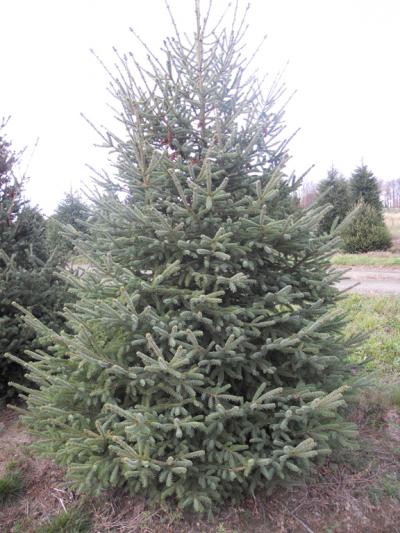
[[333, 190], [206, 358], [366, 232], [365, 187], [73, 211], [26, 272], [11, 201]]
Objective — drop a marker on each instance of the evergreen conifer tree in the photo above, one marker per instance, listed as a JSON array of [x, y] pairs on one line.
[[366, 232], [334, 190], [11, 201], [365, 187], [205, 358], [73, 211], [26, 271]]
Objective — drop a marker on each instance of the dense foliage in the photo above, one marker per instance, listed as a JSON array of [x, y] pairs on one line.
[[365, 187], [333, 190], [26, 271], [365, 229], [73, 211], [205, 359], [366, 232]]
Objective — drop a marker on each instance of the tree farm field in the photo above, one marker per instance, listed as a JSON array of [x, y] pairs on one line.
[[200, 372]]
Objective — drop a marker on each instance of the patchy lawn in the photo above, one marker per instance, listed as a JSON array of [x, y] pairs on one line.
[[380, 316], [371, 259]]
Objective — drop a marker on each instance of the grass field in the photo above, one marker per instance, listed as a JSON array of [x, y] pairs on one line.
[[383, 260], [380, 317]]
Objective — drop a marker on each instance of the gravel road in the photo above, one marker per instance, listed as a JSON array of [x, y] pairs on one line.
[[372, 280]]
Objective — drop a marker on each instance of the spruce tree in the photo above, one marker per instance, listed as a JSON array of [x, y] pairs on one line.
[[365, 187], [26, 271], [73, 211], [205, 357], [333, 190], [11, 200], [366, 231]]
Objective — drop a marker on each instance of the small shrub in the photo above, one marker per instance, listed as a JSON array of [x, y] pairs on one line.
[[388, 486], [11, 485], [23, 525], [366, 232], [74, 520]]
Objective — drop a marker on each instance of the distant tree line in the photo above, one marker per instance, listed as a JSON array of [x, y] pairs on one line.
[[390, 193]]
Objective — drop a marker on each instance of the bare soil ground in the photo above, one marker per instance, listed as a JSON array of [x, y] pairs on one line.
[[42, 479], [357, 492]]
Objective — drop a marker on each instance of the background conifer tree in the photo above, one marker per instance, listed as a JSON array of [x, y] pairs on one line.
[[365, 187], [333, 190], [367, 230], [71, 210], [205, 358], [26, 270]]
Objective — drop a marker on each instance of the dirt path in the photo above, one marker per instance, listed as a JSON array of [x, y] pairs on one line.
[[372, 280]]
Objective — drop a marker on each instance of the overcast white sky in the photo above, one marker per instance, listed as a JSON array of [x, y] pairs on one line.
[[343, 61]]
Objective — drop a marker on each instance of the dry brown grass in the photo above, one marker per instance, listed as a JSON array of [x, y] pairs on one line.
[[356, 492], [42, 479], [392, 219]]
